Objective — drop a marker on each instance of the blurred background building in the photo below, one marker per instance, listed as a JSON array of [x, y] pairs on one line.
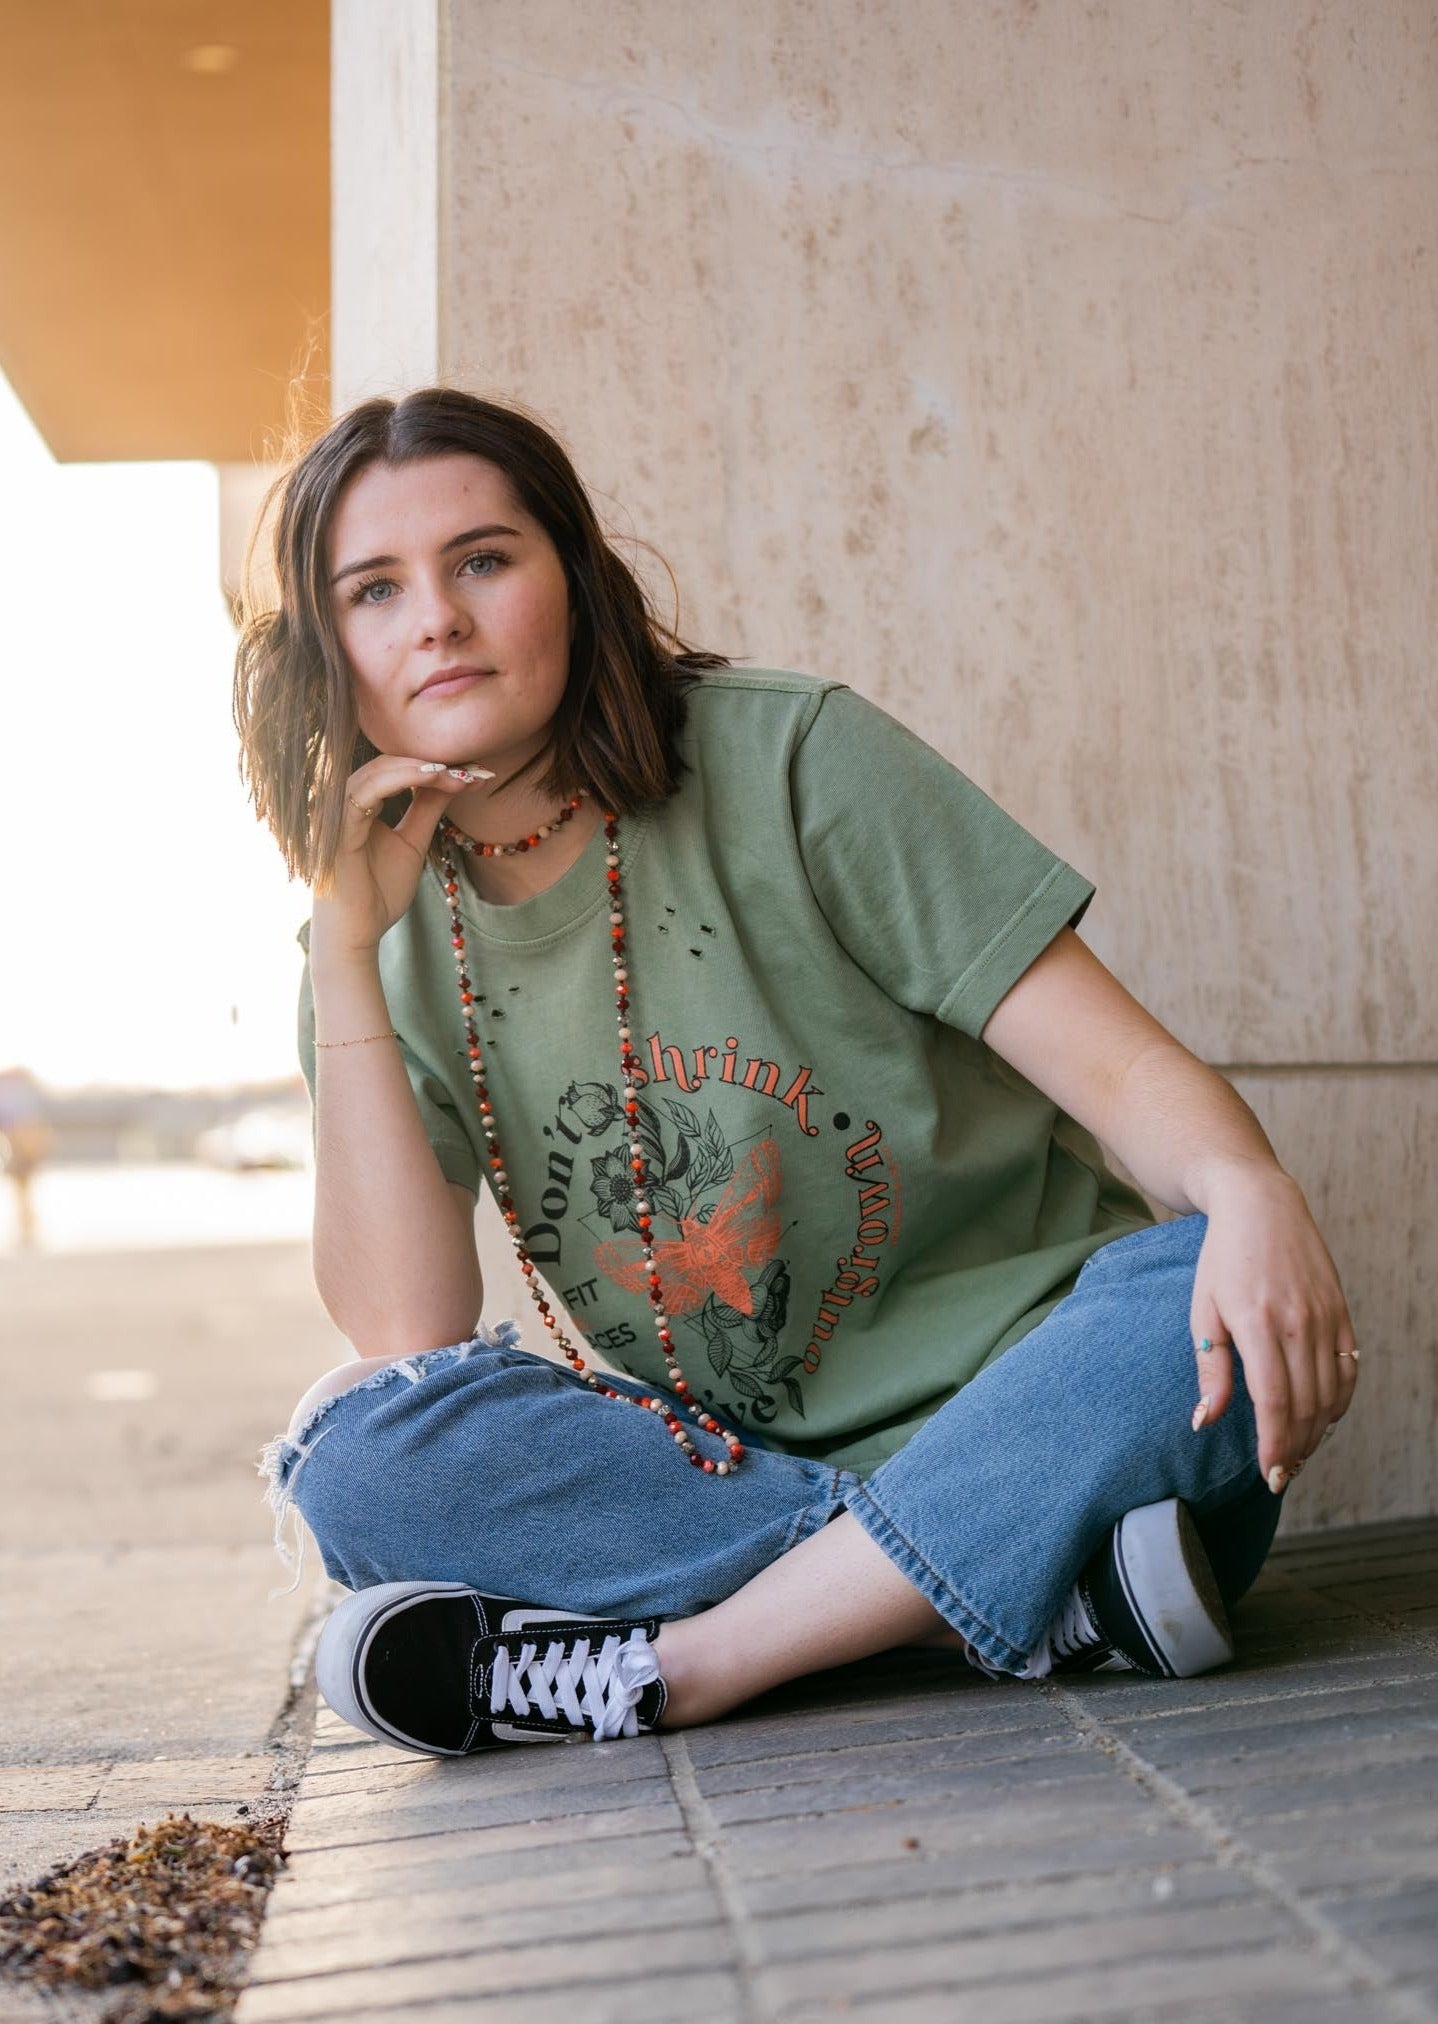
[[1064, 380]]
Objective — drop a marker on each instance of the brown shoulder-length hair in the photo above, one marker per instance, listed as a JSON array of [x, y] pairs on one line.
[[617, 729]]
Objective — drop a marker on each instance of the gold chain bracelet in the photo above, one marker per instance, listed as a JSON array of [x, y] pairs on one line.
[[391, 1035]]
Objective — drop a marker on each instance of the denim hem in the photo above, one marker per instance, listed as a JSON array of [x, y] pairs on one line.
[[956, 1612]]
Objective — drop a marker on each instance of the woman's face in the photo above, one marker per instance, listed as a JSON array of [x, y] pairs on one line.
[[455, 575]]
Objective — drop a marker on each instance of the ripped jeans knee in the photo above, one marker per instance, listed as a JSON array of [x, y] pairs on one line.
[[283, 1458]]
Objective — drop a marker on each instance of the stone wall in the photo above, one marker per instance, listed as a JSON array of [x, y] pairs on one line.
[[1062, 378]]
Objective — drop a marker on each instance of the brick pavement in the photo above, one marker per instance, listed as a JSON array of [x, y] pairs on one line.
[[910, 1843]]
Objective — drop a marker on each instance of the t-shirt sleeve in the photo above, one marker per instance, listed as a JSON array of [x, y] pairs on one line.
[[454, 1152], [934, 890]]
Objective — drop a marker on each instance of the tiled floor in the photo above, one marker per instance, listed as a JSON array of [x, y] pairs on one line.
[[1258, 1844]]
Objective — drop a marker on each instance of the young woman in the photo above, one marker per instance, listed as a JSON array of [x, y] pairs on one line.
[[773, 1038]]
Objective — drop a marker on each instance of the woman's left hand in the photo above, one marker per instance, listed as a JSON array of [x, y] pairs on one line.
[[1266, 1285]]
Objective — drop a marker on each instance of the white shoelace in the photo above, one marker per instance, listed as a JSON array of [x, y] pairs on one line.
[[592, 1689], [1072, 1630]]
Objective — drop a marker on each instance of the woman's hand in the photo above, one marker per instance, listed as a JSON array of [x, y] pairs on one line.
[[1266, 1284], [377, 869]]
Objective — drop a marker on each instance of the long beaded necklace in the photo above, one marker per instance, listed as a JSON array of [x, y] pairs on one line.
[[629, 1061]]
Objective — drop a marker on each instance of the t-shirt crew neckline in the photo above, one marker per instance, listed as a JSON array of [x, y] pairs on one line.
[[576, 896]]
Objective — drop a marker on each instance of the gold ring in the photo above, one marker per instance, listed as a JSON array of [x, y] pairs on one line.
[[362, 809], [1354, 1353]]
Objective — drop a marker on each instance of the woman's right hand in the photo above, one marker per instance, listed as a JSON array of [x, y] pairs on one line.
[[377, 869]]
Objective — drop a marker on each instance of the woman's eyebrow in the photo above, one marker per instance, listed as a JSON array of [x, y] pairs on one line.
[[392, 561]]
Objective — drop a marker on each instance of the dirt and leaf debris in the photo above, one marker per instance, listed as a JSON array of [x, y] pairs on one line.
[[169, 1915]]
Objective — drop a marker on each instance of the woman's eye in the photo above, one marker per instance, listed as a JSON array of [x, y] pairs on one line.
[[361, 592]]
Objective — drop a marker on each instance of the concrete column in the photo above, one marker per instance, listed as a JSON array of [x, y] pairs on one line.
[[387, 143], [1064, 381]]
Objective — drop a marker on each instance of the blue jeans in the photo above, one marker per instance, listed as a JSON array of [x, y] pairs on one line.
[[484, 1464]]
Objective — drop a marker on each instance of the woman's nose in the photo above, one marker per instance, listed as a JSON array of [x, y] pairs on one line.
[[441, 610]]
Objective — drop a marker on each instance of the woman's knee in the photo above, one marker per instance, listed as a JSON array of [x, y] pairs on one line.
[[333, 1382]]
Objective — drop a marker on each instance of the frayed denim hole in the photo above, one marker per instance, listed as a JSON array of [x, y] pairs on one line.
[[503, 1335], [280, 1462]]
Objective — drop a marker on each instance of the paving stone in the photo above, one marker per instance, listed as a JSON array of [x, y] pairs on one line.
[[1120, 1697], [974, 1903], [1271, 2008], [1074, 1797], [930, 1755], [1347, 1720], [1136, 1987], [1284, 1835], [470, 1786], [502, 1770], [519, 1882], [1033, 1913], [1011, 1957], [185, 1781], [1334, 1790], [1376, 1911], [1057, 1842], [37, 1788], [1357, 1860], [415, 1925], [1312, 1764], [322, 1823], [1014, 1710], [1080, 1773], [416, 1848], [697, 1997], [606, 1930], [584, 1966]]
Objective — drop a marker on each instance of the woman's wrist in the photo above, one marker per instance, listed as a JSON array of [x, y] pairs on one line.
[[340, 964], [1239, 1176], [348, 995]]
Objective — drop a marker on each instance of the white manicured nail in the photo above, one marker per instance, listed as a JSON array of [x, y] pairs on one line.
[[431, 766], [1277, 1477], [1200, 1411]]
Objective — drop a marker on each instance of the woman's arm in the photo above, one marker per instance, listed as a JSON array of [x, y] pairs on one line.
[[395, 1261], [1072, 1029], [1265, 1280], [394, 1252]]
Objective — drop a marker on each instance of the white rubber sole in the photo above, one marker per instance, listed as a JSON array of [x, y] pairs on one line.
[[1170, 1588]]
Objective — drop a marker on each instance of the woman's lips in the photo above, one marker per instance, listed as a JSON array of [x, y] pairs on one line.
[[452, 686]]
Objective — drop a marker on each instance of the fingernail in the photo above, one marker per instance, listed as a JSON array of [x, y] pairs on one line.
[[1277, 1477], [1200, 1411], [431, 766], [1329, 1432], [460, 773]]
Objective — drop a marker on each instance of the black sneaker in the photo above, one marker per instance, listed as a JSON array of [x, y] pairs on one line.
[[1146, 1602], [437, 1667]]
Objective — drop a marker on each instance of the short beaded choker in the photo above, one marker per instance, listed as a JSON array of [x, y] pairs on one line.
[[629, 1061]]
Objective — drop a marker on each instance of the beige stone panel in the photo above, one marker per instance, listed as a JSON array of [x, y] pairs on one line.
[[385, 225], [1061, 378], [1364, 1148]]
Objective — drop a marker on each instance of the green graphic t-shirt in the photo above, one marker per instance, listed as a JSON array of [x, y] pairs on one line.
[[857, 1204]]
